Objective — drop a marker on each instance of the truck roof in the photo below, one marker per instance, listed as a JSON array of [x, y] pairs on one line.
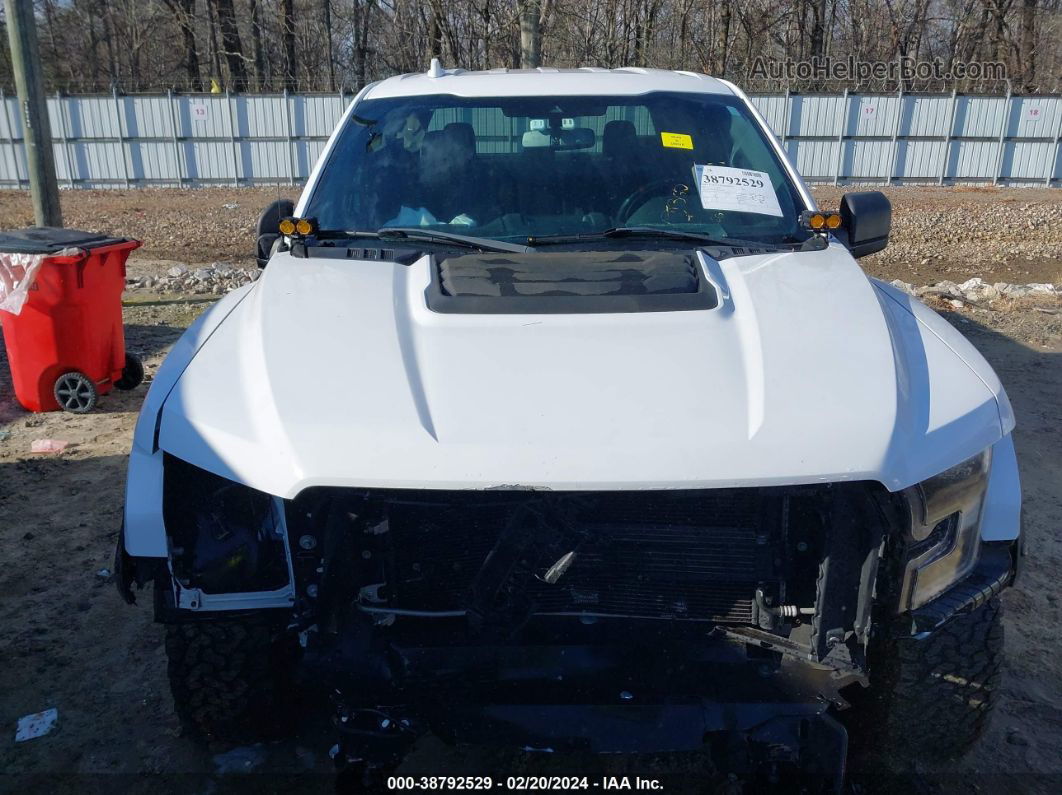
[[544, 81]]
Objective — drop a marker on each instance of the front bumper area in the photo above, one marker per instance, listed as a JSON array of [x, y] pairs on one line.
[[130, 570], [996, 569], [747, 708]]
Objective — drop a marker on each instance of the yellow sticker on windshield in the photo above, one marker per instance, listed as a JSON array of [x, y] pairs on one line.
[[676, 140]]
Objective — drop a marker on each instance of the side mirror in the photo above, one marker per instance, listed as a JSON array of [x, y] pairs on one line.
[[866, 218], [268, 229]]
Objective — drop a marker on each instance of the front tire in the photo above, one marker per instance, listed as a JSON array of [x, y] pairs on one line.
[[936, 695], [232, 679]]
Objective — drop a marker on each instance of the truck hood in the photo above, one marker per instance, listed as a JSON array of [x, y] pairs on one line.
[[335, 372]]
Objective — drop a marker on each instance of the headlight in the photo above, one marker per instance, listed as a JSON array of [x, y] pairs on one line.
[[224, 537], [945, 530]]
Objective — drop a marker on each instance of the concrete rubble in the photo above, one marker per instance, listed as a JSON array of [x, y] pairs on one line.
[[216, 279], [977, 290]]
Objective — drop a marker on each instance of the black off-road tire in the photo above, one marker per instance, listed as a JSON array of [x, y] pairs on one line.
[[232, 679], [936, 695]]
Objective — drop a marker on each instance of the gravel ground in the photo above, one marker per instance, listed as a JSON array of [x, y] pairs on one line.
[[67, 641], [938, 234]]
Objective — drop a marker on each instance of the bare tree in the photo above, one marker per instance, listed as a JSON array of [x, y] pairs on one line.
[[287, 22], [1028, 44], [530, 34], [257, 47], [231, 45], [326, 21], [324, 44], [184, 14]]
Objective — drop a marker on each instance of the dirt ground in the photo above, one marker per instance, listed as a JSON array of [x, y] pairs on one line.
[[67, 641]]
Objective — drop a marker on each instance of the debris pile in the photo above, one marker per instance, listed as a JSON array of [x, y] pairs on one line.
[[978, 291], [215, 279]]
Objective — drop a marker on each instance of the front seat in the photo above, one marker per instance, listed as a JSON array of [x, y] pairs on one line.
[[446, 171], [624, 170]]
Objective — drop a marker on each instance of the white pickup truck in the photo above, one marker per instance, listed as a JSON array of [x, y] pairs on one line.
[[561, 417]]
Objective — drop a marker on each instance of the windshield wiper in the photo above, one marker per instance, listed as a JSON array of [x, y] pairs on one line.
[[342, 234], [648, 231], [423, 235], [435, 236]]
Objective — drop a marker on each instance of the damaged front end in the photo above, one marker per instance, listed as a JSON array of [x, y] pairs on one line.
[[726, 620], [598, 621]]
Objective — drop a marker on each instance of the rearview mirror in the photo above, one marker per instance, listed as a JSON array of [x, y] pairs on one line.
[[866, 218], [268, 229], [573, 138]]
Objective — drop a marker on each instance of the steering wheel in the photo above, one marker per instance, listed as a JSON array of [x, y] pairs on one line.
[[680, 192]]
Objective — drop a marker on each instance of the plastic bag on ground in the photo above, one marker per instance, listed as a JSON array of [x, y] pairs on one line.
[[30, 727], [48, 446]]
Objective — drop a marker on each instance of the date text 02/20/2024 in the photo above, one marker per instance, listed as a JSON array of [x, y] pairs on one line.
[[521, 783]]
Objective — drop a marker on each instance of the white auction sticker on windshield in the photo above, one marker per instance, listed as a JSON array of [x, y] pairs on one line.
[[739, 189]]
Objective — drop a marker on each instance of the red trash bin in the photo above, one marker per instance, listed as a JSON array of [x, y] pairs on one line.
[[67, 345]]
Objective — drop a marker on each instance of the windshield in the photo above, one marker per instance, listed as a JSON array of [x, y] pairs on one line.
[[519, 168]]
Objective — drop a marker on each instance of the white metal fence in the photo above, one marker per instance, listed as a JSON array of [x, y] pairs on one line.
[[217, 139]]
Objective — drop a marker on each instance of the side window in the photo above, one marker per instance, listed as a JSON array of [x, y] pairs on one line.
[[750, 150]]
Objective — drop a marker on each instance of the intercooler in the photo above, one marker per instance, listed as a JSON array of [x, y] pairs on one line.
[[695, 555]]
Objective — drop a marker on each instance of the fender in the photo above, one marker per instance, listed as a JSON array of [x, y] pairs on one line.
[[1001, 520], [1001, 517], [144, 531]]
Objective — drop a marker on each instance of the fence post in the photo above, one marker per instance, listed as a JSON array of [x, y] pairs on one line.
[[11, 139], [65, 141], [839, 154], [1054, 150], [785, 117], [1002, 136], [287, 129], [121, 136], [896, 136], [947, 137], [176, 144], [232, 141]]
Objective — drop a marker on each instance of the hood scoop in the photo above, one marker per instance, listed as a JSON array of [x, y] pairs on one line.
[[569, 283]]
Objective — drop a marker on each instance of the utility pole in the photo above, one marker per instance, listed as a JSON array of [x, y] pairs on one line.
[[26, 64]]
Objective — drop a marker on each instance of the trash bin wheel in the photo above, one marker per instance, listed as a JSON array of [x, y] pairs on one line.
[[132, 373], [75, 392]]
